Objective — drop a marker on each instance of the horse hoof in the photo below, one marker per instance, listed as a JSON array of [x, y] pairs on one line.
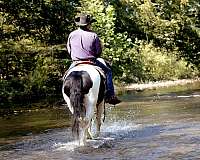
[[97, 135]]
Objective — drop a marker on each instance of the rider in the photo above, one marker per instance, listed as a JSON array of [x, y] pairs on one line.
[[84, 44]]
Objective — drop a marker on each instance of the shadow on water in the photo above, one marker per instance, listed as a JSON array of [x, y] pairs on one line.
[[150, 125]]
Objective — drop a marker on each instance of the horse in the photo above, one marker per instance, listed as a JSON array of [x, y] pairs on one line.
[[83, 90]]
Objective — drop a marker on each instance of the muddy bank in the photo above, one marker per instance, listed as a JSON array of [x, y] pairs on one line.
[[159, 84]]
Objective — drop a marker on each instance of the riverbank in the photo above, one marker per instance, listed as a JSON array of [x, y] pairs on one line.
[[28, 100], [159, 84]]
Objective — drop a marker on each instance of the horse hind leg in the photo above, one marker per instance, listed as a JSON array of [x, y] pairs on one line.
[[82, 137], [89, 130], [84, 125], [100, 110]]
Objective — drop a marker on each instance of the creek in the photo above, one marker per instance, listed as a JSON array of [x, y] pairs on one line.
[[157, 124]]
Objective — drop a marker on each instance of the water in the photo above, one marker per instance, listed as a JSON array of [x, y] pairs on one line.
[[151, 125]]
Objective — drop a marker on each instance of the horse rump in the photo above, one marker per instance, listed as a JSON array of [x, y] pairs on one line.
[[77, 84]]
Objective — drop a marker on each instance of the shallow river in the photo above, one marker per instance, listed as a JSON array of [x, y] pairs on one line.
[[157, 124]]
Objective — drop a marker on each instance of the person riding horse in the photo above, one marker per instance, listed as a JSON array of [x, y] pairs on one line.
[[84, 45]]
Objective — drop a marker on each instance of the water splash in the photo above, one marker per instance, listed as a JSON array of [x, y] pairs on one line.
[[69, 146], [119, 126]]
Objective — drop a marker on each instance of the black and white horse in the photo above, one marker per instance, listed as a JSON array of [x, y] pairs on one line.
[[83, 90]]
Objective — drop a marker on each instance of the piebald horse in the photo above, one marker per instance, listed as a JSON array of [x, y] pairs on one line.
[[83, 90]]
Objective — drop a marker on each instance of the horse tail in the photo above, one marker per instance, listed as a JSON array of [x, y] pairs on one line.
[[77, 88], [76, 100]]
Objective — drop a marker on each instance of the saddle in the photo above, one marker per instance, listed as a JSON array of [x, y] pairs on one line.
[[88, 62]]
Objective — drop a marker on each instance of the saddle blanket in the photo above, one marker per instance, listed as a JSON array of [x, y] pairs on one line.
[[99, 69]]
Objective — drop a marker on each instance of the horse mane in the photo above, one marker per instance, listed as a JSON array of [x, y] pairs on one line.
[[77, 84]]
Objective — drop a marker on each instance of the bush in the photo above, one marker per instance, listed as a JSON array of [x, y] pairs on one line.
[[158, 64]]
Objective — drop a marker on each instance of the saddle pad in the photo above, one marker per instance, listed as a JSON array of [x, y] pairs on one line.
[[99, 69]]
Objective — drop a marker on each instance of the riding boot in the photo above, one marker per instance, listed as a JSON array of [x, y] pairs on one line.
[[112, 100]]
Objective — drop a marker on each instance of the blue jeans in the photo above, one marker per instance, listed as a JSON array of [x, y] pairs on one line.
[[108, 72]]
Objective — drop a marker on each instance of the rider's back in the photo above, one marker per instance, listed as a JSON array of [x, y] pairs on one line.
[[83, 44]]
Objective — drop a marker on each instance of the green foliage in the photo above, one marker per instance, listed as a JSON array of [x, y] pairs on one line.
[[134, 60], [117, 47], [143, 40], [44, 20], [30, 68], [173, 24], [158, 64], [30, 64]]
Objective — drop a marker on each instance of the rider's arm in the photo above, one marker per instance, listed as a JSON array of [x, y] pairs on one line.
[[98, 47], [69, 46]]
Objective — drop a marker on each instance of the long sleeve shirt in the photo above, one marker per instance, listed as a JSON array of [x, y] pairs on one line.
[[83, 45]]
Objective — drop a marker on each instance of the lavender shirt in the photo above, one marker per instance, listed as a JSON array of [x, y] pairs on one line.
[[83, 44]]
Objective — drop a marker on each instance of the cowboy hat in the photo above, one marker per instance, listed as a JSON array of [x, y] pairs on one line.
[[83, 20]]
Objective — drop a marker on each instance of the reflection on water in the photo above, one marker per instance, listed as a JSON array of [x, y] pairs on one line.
[[157, 124]]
